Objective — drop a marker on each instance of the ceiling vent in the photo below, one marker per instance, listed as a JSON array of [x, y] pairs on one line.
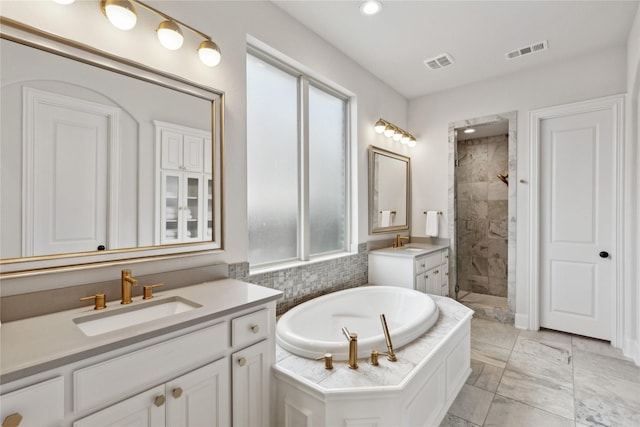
[[536, 47], [440, 61]]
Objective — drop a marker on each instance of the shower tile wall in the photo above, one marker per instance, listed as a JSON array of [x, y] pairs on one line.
[[482, 210]]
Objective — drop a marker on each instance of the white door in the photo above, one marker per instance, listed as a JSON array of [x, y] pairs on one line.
[[577, 223], [70, 186]]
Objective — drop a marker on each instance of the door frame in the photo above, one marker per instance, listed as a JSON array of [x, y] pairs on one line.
[[614, 104]]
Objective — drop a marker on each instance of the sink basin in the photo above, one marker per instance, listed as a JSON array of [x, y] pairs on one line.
[[413, 249], [101, 323]]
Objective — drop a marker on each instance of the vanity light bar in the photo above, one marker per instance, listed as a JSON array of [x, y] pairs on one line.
[[394, 132], [123, 15]]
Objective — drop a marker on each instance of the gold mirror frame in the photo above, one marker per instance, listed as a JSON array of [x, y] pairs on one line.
[[33, 37], [374, 197]]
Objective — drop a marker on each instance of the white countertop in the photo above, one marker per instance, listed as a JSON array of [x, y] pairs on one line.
[[40, 343], [410, 250], [388, 374]]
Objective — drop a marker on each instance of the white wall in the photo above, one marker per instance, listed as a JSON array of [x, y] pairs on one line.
[[632, 206], [576, 79], [228, 23]]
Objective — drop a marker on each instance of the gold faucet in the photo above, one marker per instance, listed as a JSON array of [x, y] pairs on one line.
[[353, 348], [127, 283], [391, 356], [400, 241]]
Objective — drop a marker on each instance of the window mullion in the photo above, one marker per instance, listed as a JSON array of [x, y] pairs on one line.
[[304, 229]]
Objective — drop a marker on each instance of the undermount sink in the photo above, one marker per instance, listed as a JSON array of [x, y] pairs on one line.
[[132, 315], [413, 249]]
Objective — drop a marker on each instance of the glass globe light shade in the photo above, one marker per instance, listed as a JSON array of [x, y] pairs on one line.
[[120, 13], [170, 35], [389, 131], [379, 126], [209, 53]]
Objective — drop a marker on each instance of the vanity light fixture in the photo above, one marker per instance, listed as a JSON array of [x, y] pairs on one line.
[[469, 130], [123, 15], [394, 132]]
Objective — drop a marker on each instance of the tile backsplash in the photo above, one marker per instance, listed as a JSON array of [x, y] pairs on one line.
[[302, 283]]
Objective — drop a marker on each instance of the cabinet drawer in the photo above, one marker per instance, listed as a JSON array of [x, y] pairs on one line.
[[41, 404], [427, 262], [249, 328], [114, 379], [445, 256]]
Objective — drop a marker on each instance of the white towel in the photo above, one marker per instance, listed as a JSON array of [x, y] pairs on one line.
[[432, 223], [385, 219]]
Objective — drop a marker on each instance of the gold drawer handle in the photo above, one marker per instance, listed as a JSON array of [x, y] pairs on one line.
[[255, 329], [159, 401], [176, 392], [242, 361], [12, 420]]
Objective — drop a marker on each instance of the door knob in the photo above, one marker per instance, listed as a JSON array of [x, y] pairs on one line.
[[604, 254], [242, 361], [102, 247], [176, 392], [159, 401]]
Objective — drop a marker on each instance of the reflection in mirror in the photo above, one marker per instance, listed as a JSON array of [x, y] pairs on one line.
[[101, 159], [389, 191]]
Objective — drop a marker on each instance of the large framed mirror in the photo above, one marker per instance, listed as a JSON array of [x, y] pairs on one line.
[[102, 159], [389, 191]]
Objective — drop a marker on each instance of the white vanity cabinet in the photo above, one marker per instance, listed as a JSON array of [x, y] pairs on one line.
[[423, 270], [211, 372], [199, 398]]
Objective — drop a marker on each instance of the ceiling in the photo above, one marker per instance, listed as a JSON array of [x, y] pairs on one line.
[[394, 43]]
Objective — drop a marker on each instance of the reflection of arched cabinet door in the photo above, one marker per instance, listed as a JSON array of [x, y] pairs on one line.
[[68, 145]]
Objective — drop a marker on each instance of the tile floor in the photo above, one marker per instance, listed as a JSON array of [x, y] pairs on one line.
[[545, 378]]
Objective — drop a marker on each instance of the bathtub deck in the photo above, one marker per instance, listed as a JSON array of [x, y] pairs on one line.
[[436, 363]]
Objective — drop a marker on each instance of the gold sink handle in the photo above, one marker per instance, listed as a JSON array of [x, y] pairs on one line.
[[99, 301], [147, 290]]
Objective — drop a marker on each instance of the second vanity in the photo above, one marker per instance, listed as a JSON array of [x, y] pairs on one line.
[[423, 267], [207, 365]]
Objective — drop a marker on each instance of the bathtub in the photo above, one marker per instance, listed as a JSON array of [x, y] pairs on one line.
[[315, 327]]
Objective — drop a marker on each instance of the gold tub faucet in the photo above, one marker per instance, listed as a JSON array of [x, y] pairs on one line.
[[353, 347], [127, 283]]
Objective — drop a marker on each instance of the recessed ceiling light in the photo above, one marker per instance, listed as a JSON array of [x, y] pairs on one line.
[[370, 7], [469, 130]]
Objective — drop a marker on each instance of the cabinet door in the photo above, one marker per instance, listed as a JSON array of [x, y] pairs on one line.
[[171, 155], [41, 404], [421, 282], [208, 197], [251, 372], [193, 153], [170, 208], [200, 398], [192, 207], [146, 409], [432, 278], [183, 207]]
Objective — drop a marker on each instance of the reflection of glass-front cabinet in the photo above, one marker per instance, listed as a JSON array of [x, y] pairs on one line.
[[186, 186]]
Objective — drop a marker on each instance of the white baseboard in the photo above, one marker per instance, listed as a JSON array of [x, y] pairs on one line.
[[521, 321], [631, 349]]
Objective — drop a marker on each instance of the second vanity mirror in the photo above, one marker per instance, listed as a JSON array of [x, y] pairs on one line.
[[102, 159], [389, 191]]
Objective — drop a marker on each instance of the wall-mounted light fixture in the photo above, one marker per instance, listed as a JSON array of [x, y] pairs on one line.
[[394, 132], [124, 16]]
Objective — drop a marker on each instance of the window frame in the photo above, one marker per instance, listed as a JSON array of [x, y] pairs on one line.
[[305, 80]]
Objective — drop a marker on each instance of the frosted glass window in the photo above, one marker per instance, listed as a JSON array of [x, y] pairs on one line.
[[294, 212], [272, 162], [327, 172]]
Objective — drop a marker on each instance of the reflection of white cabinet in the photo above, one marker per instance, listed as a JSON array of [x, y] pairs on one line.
[[199, 398], [426, 271], [183, 207], [185, 188]]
